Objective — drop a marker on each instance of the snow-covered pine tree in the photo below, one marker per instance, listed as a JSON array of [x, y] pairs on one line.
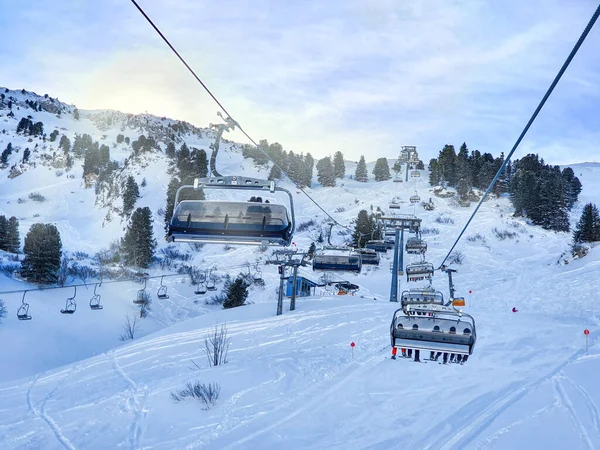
[[381, 170], [237, 293], [361, 174], [325, 174], [363, 229], [3, 231], [12, 240], [339, 168], [138, 245], [130, 195], [588, 227], [43, 250], [434, 173]]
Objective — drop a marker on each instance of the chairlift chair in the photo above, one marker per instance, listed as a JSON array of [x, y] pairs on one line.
[[95, 300], [232, 222], [416, 246], [440, 329], [328, 260], [419, 271], [257, 277], [415, 174], [23, 311], [415, 198], [162, 290], [369, 256], [378, 245], [140, 298], [210, 283], [70, 304]]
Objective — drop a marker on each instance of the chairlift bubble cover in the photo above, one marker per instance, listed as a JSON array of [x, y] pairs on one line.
[[224, 221]]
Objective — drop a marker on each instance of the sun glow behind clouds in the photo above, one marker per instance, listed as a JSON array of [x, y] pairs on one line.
[[325, 76]]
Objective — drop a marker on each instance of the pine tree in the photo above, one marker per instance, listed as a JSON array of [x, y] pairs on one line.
[[447, 165], [339, 168], [6, 153], [397, 167], [434, 172], [76, 114], [275, 173], [12, 241], [362, 229], [307, 172], [325, 173], [463, 168], [130, 195], [120, 138], [237, 293], [43, 250], [64, 143], [3, 231], [170, 152], [463, 189], [381, 170], [361, 173], [138, 245], [588, 227], [572, 186]]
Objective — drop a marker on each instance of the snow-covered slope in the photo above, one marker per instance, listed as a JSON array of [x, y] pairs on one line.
[[293, 381]]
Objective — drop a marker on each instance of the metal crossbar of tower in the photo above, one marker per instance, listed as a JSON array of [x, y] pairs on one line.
[[284, 259]]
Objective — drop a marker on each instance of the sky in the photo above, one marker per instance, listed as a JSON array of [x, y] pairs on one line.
[[362, 77]]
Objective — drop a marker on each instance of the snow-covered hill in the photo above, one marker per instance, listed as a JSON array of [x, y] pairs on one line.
[[293, 380]]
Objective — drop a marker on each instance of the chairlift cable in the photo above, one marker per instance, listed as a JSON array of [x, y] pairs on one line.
[[164, 38], [559, 75]]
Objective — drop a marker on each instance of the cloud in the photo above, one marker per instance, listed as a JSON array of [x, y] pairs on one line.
[[325, 76]]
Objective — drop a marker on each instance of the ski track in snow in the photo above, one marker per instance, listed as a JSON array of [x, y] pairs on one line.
[[317, 392], [137, 402], [467, 434], [566, 401], [66, 443], [595, 413]]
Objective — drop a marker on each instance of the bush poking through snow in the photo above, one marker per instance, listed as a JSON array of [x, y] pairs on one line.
[[306, 225], [10, 269], [456, 257], [426, 230], [206, 393], [37, 197], [444, 219], [130, 328], [578, 250], [216, 346], [144, 304], [504, 234], [3, 310]]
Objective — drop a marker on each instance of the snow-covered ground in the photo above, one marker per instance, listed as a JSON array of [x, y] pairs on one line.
[[293, 381]]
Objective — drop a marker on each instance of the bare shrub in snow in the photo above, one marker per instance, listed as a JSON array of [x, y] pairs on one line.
[[306, 225], [262, 248], [10, 269], [130, 328], [3, 310], [64, 271], [578, 250], [83, 272], [476, 238], [504, 234], [228, 247], [206, 393], [456, 257], [216, 346], [217, 299], [79, 255], [59, 173], [144, 304], [444, 219], [341, 209], [196, 275], [37, 197], [426, 230]]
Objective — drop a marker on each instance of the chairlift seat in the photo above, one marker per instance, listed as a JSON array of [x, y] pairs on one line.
[[378, 246], [419, 271], [23, 312], [340, 263], [230, 222], [415, 246], [415, 199], [445, 332], [95, 303], [162, 293]]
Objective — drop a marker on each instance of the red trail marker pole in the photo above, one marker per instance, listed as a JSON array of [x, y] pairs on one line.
[[587, 334], [352, 344]]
